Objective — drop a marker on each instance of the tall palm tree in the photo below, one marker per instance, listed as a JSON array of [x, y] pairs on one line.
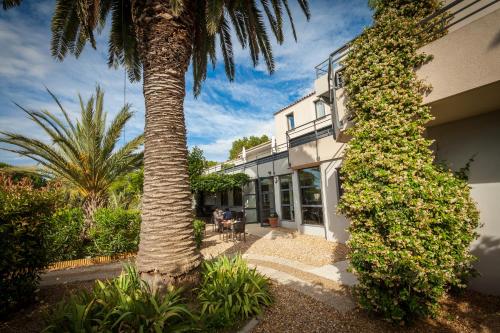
[[82, 154], [159, 38]]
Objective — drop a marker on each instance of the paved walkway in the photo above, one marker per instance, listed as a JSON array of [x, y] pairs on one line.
[[336, 272]]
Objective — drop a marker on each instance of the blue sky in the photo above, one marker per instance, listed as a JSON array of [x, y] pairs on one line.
[[222, 113]]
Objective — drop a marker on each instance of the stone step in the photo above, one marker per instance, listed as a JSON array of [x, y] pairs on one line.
[[336, 300], [336, 272]]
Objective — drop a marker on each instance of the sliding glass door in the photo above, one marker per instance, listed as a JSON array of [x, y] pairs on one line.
[[286, 190], [266, 199], [250, 202]]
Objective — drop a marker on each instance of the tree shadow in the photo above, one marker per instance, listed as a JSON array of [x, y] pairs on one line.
[[495, 42]]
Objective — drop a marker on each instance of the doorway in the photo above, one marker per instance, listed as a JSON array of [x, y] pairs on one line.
[[267, 204], [250, 202]]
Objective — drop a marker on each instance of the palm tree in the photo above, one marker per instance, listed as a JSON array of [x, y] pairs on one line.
[[82, 154], [158, 39]]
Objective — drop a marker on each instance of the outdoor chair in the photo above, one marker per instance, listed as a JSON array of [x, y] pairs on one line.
[[239, 229], [223, 230]]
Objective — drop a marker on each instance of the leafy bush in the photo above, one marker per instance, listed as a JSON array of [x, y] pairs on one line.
[[411, 221], [230, 291], [199, 232], [115, 231], [217, 182], [23, 213], [64, 235], [124, 304]]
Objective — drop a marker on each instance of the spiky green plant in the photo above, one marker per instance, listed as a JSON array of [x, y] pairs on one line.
[[231, 291], [84, 154], [124, 304]]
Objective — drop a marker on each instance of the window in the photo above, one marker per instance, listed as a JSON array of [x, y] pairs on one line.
[[224, 199], [286, 189], [310, 196], [340, 190], [290, 121], [237, 197], [320, 109], [339, 79]]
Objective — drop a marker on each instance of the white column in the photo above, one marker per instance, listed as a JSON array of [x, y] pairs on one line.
[[277, 196], [296, 200]]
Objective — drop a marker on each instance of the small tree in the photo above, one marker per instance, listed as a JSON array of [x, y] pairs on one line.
[[411, 221], [247, 142], [83, 154]]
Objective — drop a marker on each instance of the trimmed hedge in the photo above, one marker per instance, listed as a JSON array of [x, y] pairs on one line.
[[115, 231], [411, 220], [64, 241], [23, 214]]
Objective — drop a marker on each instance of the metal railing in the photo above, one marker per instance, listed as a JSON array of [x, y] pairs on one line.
[[446, 17], [275, 153]]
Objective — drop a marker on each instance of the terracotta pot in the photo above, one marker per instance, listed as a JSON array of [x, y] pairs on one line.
[[273, 221]]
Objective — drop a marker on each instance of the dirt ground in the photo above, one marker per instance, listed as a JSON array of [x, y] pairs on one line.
[[30, 318]]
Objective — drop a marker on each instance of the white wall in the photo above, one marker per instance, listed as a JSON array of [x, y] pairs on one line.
[[303, 112], [336, 225], [457, 142]]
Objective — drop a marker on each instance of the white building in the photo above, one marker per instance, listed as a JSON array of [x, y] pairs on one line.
[[297, 176]]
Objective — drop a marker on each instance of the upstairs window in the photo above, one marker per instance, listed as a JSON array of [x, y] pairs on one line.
[[339, 79], [320, 109], [290, 121]]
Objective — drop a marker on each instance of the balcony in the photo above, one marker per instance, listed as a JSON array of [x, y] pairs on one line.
[[312, 143], [464, 73]]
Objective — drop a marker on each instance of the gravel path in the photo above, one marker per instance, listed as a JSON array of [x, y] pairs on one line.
[[295, 312], [309, 250]]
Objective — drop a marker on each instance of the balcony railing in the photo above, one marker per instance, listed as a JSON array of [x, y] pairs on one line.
[[446, 17]]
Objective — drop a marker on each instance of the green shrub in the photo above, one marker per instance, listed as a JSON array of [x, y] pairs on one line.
[[124, 304], [115, 231], [23, 214], [64, 235], [230, 291], [412, 221], [199, 232]]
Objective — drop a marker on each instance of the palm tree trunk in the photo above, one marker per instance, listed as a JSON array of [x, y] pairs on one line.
[[167, 252], [91, 204]]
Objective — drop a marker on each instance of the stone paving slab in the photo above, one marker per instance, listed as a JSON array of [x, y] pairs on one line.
[[336, 272], [338, 301]]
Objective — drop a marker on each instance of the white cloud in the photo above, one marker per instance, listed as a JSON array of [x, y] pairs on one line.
[[224, 112]]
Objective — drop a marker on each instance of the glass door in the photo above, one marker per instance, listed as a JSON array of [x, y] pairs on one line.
[[250, 202], [266, 199]]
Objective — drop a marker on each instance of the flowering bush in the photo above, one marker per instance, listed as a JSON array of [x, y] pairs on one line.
[[411, 221]]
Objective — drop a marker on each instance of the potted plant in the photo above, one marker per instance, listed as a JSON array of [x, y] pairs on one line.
[[273, 220]]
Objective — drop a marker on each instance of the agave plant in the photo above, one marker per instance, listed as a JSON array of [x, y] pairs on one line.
[[84, 154]]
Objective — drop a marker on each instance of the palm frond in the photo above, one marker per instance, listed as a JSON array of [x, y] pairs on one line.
[[247, 18], [83, 153], [10, 3]]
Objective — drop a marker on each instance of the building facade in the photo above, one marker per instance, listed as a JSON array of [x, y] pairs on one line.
[[296, 175]]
